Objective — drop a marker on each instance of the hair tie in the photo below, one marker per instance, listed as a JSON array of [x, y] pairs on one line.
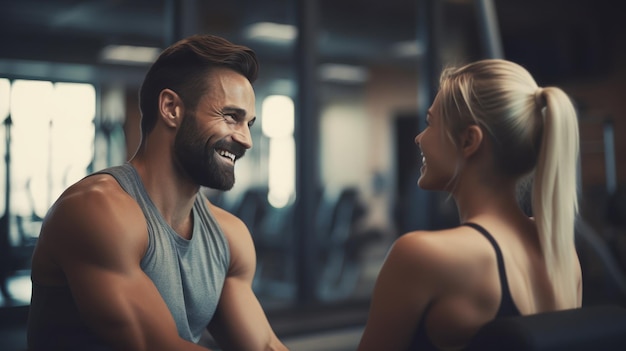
[[539, 98]]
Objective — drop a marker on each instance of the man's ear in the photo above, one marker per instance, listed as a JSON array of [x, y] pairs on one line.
[[471, 139], [170, 108]]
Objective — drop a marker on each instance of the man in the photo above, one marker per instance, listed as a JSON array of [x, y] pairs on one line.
[[135, 257]]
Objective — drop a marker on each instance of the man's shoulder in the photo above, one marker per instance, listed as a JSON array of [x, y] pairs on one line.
[[94, 219], [97, 200], [226, 219], [97, 189]]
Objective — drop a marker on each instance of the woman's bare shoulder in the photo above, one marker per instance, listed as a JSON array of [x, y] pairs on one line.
[[442, 254], [436, 243]]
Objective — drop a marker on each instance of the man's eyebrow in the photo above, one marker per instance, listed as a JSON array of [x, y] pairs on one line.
[[237, 110]]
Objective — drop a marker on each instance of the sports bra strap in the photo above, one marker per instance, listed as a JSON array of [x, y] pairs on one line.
[[507, 305]]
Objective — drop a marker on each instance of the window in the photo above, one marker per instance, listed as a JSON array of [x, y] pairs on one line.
[[278, 126], [49, 140]]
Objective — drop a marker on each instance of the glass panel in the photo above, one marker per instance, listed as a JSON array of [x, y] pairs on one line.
[[278, 125], [72, 134], [364, 84], [31, 112], [52, 139], [281, 171]]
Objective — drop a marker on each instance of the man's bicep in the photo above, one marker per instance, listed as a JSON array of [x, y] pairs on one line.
[[239, 322], [108, 301], [98, 245], [117, 300]]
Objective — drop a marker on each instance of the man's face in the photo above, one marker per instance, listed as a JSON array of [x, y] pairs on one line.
[[217, 133]]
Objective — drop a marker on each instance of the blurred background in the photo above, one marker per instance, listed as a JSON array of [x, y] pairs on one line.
[[343, 90]]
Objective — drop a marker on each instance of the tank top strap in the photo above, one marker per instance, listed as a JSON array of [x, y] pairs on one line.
[[507, 305]]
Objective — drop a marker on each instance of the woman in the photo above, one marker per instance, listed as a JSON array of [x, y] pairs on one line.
[[489, 127]]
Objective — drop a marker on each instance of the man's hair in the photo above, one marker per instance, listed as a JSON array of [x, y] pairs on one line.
[[183, 67]]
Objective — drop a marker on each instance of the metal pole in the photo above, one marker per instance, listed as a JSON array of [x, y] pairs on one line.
[[489, 30], [427, 22], [609, 157], [180, 20], [170, 19], [187, 18], [307, 158]]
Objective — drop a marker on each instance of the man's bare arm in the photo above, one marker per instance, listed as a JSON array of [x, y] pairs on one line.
[[97, 236], [240, 322]]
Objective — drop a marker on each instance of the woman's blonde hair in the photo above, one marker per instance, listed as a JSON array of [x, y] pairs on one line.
[[532, 129]]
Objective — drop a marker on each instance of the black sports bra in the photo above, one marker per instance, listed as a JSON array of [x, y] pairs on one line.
[[507, 308]]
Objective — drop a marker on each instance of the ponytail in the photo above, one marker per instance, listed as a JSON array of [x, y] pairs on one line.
[[554, 193]]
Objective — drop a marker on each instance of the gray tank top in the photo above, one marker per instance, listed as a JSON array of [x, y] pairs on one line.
[[189, 274]]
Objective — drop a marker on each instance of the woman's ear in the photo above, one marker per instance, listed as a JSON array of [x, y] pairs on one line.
[[471, 139], [170, 108]]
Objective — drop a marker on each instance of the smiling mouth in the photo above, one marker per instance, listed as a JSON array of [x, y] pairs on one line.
[[227, 154]]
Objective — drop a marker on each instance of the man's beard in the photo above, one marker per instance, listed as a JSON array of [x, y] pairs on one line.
[[200, 161]]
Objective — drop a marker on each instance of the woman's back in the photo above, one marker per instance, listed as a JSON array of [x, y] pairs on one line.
[[477, 288]]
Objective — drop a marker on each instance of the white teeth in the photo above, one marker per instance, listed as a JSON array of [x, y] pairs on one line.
[[227, 154]]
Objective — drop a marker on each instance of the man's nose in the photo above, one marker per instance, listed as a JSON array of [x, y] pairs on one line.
[[242, 136]]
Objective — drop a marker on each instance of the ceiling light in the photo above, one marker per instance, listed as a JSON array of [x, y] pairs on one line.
[[411, 48], [127, 54], [272, 32], [342, 73]]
